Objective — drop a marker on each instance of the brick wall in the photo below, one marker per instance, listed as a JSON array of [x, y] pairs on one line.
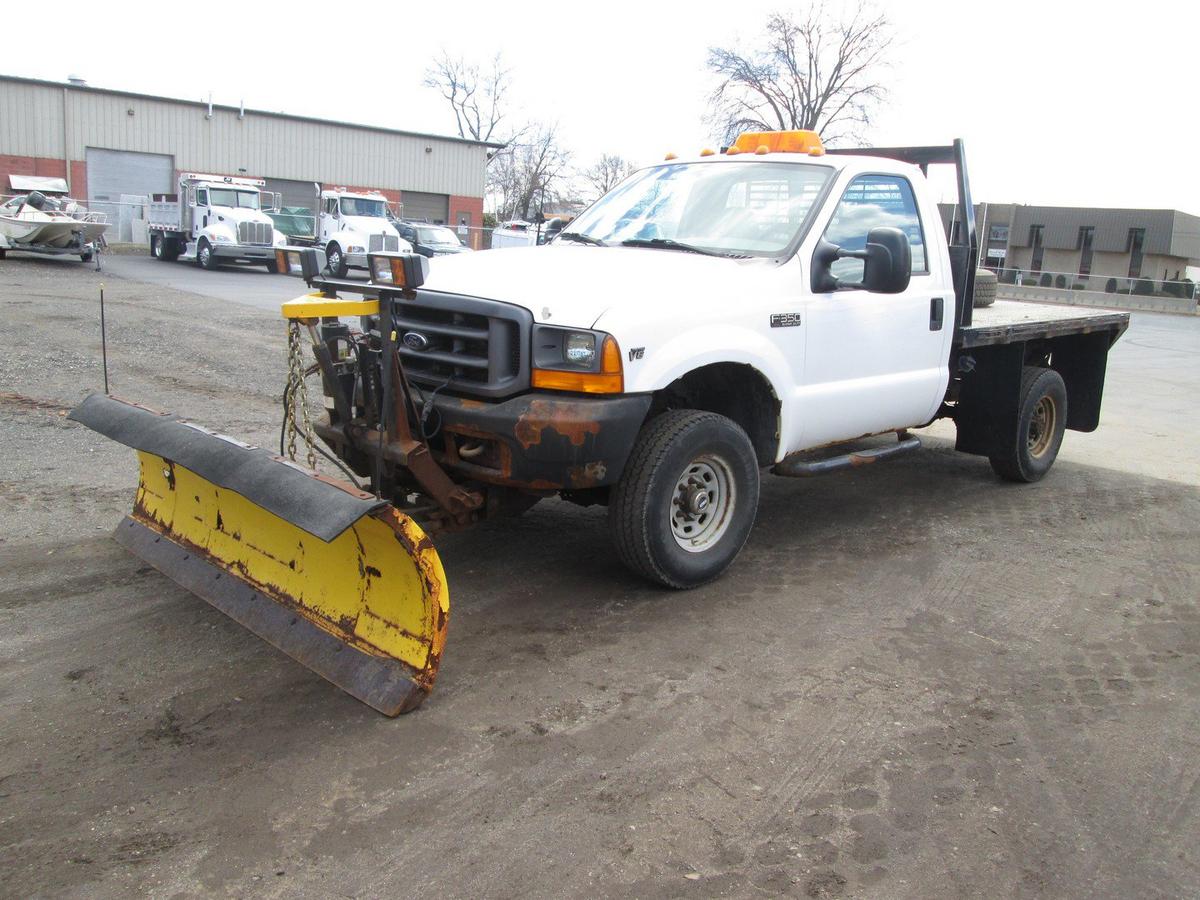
[[30, 165]]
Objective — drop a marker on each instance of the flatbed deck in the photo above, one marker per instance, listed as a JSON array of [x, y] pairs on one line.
[[1007, 321]]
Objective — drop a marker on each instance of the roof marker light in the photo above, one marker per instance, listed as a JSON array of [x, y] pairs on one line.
[[707, 151], [671, 156], [779, 142]]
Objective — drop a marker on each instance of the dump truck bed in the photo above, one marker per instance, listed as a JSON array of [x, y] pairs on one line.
[[1009, 321]]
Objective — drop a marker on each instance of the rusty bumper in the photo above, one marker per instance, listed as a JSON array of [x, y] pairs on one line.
[[542, 441]]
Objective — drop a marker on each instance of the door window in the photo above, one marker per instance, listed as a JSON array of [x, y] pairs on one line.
[[869, 202], [201, 197]]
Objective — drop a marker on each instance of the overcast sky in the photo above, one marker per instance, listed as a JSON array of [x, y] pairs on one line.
[[1090, 104]]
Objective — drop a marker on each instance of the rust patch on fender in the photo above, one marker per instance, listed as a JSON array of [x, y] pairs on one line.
[[566, 418]]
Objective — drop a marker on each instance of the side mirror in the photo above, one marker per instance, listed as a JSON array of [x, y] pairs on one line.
[[887, 263]]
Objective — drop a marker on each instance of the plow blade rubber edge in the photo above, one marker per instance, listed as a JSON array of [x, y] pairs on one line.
[[340, 581]]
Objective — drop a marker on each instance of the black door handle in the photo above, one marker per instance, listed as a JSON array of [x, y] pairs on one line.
[[935, 313]]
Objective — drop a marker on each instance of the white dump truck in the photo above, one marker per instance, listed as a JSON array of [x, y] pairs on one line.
[[214, 219]]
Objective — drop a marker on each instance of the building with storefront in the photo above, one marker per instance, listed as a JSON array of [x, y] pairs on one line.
[[1099, 249]]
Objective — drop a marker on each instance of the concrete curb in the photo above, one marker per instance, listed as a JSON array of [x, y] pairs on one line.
[[1125, 302]]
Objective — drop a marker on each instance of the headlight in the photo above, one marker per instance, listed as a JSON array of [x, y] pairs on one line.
[[354, 249], [579, 349], [222, 239], [568, 359]]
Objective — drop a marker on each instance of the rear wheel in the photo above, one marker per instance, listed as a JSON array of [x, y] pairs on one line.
[[1042, 419], [156, 246], [86, 256], [204, 255], [687, 499], [336, 261]]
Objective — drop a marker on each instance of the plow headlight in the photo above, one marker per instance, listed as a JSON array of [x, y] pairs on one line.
[[566, 359], [402, 270], [301, 261]]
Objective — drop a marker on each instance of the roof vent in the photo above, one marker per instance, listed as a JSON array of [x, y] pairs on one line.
[[77, 80]]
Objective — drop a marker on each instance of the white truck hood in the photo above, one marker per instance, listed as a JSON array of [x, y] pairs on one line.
[[575, 285], [240, 214], [365, 225]]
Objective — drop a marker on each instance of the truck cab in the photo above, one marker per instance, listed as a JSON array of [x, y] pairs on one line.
[[350, 225]]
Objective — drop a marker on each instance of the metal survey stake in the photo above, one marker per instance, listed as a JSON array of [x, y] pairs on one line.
[[103, 341]]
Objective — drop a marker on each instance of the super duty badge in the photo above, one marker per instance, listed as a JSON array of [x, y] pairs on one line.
[[785, 320]]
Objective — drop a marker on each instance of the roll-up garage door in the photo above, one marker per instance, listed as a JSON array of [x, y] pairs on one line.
[[426, 207], [112, 174], [298, 203]]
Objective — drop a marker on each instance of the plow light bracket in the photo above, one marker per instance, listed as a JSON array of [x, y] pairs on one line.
[[402, 270], [305, 262]]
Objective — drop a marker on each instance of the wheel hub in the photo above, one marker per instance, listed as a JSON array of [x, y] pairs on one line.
[[702, 503]]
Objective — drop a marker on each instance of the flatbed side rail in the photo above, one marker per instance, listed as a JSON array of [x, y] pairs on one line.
[[964, 243]]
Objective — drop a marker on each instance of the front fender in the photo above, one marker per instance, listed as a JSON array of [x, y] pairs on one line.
[[651, 366]]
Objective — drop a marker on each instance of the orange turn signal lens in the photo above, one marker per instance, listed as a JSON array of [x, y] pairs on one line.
[[609, 380]]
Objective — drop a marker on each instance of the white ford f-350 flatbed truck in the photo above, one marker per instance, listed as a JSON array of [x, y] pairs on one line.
[[775, 306]]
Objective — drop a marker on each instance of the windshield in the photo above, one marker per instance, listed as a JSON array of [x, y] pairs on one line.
[[739, 209], [360, 206], [227, 197], [439, 236]]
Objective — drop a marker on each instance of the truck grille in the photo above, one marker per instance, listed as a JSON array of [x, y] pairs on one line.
[[473, 346], [383, 243], [259, 233]]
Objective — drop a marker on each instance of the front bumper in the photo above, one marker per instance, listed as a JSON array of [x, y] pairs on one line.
[[541, 440], [242, 251]]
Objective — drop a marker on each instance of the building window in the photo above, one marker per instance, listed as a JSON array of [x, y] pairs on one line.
[[998, 234], [1137, 237], [1086, 234], [1035, 241]]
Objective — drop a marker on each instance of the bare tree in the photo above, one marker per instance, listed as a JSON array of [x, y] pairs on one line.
[[529, 174], [606, 173], [477, 95], [814, 71]]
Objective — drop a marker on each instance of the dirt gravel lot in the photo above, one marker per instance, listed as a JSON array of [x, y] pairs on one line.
[[916, 681]]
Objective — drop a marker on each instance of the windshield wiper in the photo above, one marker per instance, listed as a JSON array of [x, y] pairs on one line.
[[580, 238], [668, 244]]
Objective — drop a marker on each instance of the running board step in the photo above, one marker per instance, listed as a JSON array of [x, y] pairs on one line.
[[801, 465]]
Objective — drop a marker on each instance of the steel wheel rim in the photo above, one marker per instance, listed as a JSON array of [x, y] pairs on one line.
[[702, 503], [205, 254], [335, 261], [1042, 426]]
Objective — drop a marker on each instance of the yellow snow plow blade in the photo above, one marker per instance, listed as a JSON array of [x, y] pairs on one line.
[[342, 582]]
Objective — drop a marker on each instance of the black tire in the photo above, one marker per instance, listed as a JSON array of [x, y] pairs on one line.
[[205, 258], [273, 267], [336, 260], [156, 246], [645, 512], [3, 254], [985, 288], [86, 256], [170, 249], [1042, 419]]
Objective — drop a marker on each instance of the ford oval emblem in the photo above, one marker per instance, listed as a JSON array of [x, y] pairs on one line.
[[414, 340]]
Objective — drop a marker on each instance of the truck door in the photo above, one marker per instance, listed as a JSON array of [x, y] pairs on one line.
[[329, 217], [875, 362]]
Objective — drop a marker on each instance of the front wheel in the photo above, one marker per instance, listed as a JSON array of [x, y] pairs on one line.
[[1028, 454], [336, 261], [205, 256], [686, 500]]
